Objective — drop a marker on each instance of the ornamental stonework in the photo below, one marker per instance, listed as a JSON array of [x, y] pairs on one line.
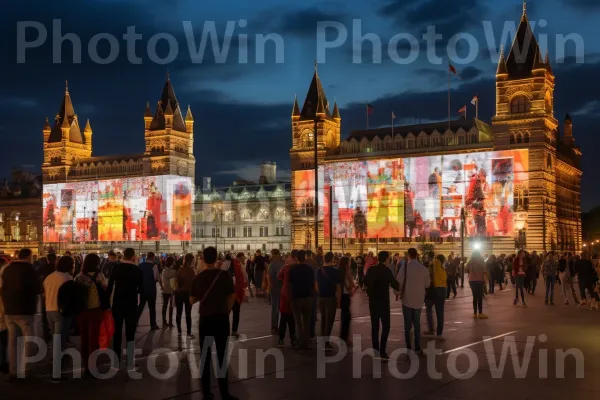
[[526, 88]]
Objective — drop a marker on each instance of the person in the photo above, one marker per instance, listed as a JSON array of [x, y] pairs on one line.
[[125, 283], [150, 276], [329, 287], [378, 280], [215, 291], [310, 261], [286, 320], [185, 275], [533, 271], [369, 262], [168, 279], [59, 323], [3, 327], [439, 281], [413, 281], [301, 285], [275, 286], [566, 280], [587, 280], [549, 269], [90, 319], [519, 272], [47, 268], [451, 273], [348, 289], [240, 291], [109, 265], [319, 259], [19, 288], [496, 273], [259, 271], [477, 270], [360, 271], [199, 262]]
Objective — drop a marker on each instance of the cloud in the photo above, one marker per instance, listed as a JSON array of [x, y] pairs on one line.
[[583, 4], [467, 74], [12, 102], [302, 23]]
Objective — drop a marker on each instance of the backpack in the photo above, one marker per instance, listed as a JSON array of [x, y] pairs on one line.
[[82, 293]]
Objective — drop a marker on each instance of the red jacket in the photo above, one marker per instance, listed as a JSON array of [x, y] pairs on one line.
[[240, 282], [518, 269]]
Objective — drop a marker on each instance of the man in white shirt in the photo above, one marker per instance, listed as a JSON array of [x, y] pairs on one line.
[[414, 279], [58, 323]]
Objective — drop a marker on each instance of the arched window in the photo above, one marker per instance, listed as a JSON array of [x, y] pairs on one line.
[[519, 105], [309, 139], [519, 138], [512, 138]]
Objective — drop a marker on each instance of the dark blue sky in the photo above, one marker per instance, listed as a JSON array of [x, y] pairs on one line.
[[242, 110]]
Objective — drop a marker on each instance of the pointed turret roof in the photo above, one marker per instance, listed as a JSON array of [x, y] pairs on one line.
[[568, 118], [148, 112], [169, 110], [188, 115], [167, 100], [525, 48], [501, 63], [47, 125], [88, 126], [296, 108], [316, 101], [65, 118], [538, 61], [336, 111], [547, 62]]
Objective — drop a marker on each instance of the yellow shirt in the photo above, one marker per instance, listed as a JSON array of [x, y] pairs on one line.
[[439, 274]]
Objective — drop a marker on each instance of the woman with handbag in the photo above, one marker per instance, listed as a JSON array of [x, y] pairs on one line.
[[185, 275], [89, 320], [169, 283], [348, 289]]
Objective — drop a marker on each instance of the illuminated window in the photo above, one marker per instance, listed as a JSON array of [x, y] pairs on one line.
[[263, 215], [1, 227], [520, 105], [309, 139], [16, 227], [519, 138]]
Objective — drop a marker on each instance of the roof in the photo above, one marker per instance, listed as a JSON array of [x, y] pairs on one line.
[[429, 128], [167, 99], [316, 101], [66, 116], [524, 55]]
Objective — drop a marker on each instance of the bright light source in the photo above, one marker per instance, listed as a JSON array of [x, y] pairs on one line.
[[477, 246]]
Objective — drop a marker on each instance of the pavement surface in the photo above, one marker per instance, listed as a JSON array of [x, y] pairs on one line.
[[550, 352]]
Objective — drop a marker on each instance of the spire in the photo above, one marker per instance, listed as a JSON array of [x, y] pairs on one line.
[[66, 123], [148, 113], [188, 115], [568, 118], [167, 100], [169, 109], [316, 101], [538, 62], [524, 50], [547, 62], [66, 118], [501, 63], [336, 111], [88, 127], [47, 125], [296, 108]]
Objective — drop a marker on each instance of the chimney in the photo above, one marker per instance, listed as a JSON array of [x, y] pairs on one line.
[[268, 171], [206, 183]]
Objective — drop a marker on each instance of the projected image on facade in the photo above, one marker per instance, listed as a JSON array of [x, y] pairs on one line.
[[130, 209], [422, 196]]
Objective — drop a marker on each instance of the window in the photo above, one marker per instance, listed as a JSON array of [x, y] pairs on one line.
[[247, 231], [526, 137], [519, 138], [512, 138], [519, 105], [216, 232], [279, 231], [16, 227], [199, 232], [1, 227], [264, 231], [32, 232], [247, 247], [231, 232], [308, 139]]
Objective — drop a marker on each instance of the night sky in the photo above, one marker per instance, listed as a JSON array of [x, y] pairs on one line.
[[242, 111]]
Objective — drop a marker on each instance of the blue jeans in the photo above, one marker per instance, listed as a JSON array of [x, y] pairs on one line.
[[520, 280], [275, 296], [550, 281], [412, 318]]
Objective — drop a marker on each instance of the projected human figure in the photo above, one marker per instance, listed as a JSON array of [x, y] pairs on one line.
[[360, 224]]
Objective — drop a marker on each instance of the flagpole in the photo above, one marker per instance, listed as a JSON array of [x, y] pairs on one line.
[[367, 117], [448, 94], [477, 107]]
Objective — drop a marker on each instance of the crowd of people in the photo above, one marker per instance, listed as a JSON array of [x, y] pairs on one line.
[[76, 294]]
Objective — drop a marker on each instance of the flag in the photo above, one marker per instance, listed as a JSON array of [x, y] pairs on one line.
[[370, 109], [453, 70], [475, 100], [463, 109], [393, 115]]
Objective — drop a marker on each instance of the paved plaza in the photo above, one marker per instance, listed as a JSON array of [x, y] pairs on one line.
[[472, 347]]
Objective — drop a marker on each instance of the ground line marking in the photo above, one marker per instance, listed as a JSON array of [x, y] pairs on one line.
[[479, 342]]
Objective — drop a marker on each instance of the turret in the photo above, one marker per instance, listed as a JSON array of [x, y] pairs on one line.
[[568, 138], [189, 121], [169, 115], [295, 109], [87, 134], [336, 112], [46, 130], [147, 116]]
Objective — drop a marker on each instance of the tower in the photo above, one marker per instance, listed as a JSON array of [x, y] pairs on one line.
[[169, 137], [313, 121], [525, 119], [64, 143]]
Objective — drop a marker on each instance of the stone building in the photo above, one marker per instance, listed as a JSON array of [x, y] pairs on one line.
[[20, 213], [245, 216], [531, 177], [141, 200]]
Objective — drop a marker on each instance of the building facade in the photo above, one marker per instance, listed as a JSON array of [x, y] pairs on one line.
[[20, 213], [141, 200], [245, 216], [516, 179]]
